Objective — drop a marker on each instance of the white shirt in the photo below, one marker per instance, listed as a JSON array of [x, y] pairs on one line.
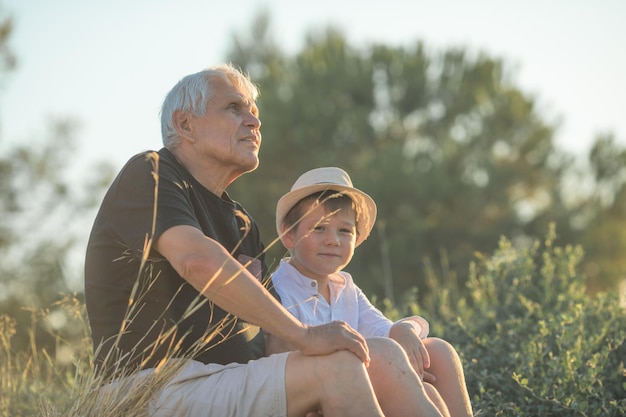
[[300, 295]]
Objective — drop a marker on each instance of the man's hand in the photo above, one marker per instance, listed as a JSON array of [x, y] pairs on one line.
[[407, 336], [334, 336]]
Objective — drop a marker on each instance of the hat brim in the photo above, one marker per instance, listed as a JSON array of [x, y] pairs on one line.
[[361, 199]]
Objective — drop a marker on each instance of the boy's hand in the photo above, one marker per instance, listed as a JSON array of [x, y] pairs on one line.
[[406, 334]]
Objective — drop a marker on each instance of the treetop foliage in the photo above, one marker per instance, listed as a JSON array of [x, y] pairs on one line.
[[454, 154]]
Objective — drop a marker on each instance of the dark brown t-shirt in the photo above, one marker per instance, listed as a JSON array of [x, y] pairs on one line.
[[155, 310]]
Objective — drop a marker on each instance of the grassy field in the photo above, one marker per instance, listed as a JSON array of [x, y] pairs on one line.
[[533, 343]]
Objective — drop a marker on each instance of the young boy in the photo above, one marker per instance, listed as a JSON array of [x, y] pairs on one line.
[[321, 221]]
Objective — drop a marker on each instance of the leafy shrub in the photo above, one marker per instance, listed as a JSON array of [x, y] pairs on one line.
[[532, 341]]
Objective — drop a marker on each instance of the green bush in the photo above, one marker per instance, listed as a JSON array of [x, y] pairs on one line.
[[532, 341]]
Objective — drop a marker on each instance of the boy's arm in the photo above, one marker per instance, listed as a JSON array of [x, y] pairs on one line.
[[407, 334], [421, 325]]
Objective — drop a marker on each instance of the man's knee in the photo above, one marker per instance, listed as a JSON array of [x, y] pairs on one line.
[[320, 370], [334, 379], [338, 364]]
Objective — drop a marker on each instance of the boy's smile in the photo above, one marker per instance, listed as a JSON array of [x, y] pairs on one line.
[[322, 243]]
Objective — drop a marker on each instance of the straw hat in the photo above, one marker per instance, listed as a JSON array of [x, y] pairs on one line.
[[329, 178]]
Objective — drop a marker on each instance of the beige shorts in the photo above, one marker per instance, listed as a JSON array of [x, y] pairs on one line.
[[234, 390]]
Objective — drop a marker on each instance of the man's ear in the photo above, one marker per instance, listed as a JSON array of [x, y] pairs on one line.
[[182, 124], [286, 236]]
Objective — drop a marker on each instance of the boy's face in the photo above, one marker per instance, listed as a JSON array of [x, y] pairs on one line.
[[322, 243]]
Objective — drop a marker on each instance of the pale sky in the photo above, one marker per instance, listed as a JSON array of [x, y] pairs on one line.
[[108, 64]]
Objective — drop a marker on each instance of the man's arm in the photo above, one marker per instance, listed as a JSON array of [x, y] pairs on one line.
[[273, 344], [212, 271]]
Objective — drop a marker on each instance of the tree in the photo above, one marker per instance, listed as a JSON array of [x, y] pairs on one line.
[[43, 213], [7, 58], [604, 234], [454, 154]]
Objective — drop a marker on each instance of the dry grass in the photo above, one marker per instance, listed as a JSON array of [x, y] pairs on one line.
[[35, 382]]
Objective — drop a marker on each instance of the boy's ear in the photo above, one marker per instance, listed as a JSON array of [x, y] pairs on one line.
[[286, 236]]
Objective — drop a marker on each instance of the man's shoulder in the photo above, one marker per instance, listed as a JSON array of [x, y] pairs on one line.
[[154, 163], [141, 160], [152, 156]]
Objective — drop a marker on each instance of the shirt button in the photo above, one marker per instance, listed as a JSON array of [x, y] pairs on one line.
[[313, 284]]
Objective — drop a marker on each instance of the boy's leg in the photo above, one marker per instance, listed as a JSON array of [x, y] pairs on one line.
[[434, 396], [398, 388], [446, 365]]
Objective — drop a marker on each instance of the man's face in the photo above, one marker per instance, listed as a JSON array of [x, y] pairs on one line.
[[228, 136]]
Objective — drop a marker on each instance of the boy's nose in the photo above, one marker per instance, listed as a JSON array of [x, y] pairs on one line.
[[332, 239]]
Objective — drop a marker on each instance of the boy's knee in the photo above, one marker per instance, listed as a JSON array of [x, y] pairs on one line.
[[384, 348], [388, 359], [439, 347]]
